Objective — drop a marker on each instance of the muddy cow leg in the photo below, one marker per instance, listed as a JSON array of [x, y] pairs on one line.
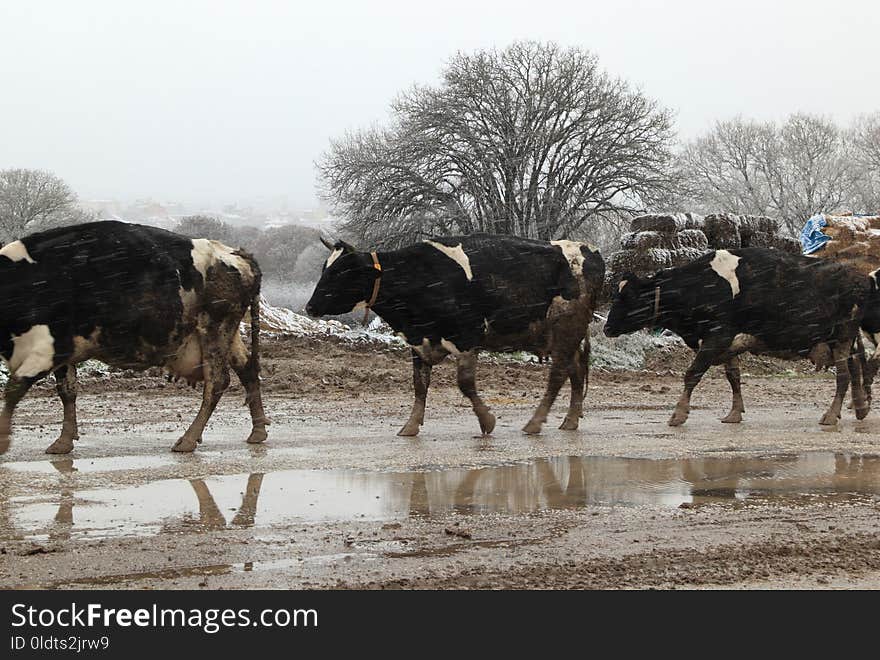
[[560, 367], [466, 367], [421, 382], [65, 384], [215, 368], [857, 387], [248, 373], [577, 378], [841, 354], [703, 360], [731, 370], [869, 370], [16, 388]]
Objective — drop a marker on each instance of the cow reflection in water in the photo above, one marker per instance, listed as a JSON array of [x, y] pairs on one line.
[[549, 483], [210, 516]]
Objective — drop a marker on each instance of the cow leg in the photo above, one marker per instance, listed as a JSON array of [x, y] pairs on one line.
[[466, 373], [857, 388], [577, 375], [731, 370], [16, 388], [246, 370], [560, 367], [585, 365], [215, 368], [65, 384], [421, 382], [841, 358], [703, 360], [869, 370]]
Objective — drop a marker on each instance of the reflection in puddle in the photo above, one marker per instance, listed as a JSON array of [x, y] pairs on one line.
[[291, 496]]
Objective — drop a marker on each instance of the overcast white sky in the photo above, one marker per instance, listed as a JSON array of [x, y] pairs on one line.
[[222, 102]]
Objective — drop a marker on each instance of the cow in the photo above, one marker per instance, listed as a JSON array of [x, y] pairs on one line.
[[458, 295], [755, 300], [133, 297]]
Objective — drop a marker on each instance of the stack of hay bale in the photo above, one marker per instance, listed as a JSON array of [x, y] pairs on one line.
[[726, 231], [855, 241], [657, 241]]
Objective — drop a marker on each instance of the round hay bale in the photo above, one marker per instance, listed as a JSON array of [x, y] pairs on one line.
[[855, 224], [669, 222], [686, 255], [858, 249], [759, 239], [787, 244], [833, 248], [722, 231], [692, 238], [639, 262], [644, 240], [840, 232], [757, 223]]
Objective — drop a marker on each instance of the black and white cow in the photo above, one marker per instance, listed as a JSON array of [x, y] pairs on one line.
[[753, 300], [133, 297], [460, 294]]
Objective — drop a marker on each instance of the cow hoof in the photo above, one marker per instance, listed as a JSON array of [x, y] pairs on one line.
[[257, 436], [409, 431], [487, 424], [733, 417], [532, 428], [60, 446], [185, 444], [569, 424], [677, 419], [829, 419]]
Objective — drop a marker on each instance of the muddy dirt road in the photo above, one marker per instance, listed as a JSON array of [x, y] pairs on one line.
[[336, 500]]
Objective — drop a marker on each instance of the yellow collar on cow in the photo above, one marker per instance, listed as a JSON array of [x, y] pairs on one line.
[[376, 284]]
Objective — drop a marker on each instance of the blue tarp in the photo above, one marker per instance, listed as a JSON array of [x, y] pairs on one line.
[[812, 238]]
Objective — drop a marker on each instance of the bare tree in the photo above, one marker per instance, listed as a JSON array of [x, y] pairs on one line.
[[204, 226], [790, 171], [533, 140], [34, 200], [865, 140], [808, 169], [723, 169]]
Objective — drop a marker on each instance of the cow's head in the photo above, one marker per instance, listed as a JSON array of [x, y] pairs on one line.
[[346, 281], [633, 305]]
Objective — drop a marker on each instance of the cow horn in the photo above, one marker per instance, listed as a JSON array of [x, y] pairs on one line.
[[327, 243]]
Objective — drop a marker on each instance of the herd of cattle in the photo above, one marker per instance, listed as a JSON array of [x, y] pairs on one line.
[[134, 297]]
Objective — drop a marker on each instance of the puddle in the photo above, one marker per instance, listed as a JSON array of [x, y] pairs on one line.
[[106, 464], [311, 496]]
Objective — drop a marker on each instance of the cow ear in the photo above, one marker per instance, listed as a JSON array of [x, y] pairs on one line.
[[327, 243]]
